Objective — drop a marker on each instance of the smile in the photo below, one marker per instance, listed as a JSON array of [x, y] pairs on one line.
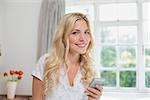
[[81, 45]]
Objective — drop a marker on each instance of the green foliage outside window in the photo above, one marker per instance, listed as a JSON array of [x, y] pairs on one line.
[[128, 79], [108, 57], [127, 57], [105, 34], [147, 57], [110, 78], [147, 79]]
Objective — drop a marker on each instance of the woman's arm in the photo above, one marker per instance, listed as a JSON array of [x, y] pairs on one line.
[[37, 91]]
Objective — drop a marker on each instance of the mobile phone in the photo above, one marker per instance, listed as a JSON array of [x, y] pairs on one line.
[[97, 81]]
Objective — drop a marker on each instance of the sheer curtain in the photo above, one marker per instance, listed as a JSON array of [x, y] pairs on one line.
[[50, 13]]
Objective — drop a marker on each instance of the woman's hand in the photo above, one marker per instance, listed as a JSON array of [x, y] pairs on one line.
[[94, 93]]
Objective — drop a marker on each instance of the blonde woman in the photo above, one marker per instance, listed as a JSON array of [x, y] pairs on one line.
[[65, 73]]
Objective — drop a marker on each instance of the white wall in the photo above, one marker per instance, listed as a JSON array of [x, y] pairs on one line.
[[19, 41], [1, 31], [1, 16]]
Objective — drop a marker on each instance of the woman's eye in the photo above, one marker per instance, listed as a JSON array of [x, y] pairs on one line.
[[74, 32], [87, 32]]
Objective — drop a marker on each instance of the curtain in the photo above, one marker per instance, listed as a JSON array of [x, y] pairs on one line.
[[50, 13]]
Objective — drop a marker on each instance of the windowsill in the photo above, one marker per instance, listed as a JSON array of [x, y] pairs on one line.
[[125, 95], [106, 96]]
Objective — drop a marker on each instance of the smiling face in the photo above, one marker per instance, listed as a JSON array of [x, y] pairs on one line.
[[79, 38]]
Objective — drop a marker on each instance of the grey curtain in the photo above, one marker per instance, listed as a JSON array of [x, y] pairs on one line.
[[50, 14]]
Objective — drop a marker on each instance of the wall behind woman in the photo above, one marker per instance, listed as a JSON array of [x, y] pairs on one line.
[[19, 41], [1, 19]]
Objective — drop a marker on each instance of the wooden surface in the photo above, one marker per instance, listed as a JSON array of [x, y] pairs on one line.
[[17, 97]]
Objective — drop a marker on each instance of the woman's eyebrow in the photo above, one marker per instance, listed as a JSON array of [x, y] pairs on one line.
[[76, 30], [80, 30]]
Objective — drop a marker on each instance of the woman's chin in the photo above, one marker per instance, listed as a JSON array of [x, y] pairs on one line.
[[82, 52]]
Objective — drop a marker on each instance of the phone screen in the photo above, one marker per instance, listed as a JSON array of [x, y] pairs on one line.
[[97, 81]]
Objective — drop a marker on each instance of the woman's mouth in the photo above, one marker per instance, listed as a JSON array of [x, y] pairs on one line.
[[82, 45]]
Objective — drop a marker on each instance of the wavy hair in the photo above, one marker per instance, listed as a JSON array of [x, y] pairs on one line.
[[60, 48]]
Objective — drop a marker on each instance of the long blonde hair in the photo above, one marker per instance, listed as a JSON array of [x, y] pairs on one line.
[[58, 55]]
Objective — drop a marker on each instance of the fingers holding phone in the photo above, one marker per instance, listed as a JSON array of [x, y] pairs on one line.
[[97, 81], [94, 91]]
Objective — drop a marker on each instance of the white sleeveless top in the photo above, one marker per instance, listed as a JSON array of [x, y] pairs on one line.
[[63, 91]]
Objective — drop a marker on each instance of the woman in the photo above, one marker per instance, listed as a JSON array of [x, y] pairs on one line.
[[65, 73]]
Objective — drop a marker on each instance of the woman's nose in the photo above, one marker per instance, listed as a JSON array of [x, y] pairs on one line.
[[82, 37]]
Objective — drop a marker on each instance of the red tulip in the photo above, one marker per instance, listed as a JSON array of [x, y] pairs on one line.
[[19, 77], [13, 75], [5, 74], [12, 72], [20, 72]]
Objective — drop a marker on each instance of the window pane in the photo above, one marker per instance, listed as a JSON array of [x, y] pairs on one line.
[[122, 34], [146, 10], [127, 34], [146, 31], [108, 34], [127, 79], [120, 11], [109, 77], [108, 56], [127, 57], [147, 79], [146, 22], [147, 57], [108, 12]]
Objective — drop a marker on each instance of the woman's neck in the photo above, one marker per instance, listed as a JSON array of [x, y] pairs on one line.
[[72, 67], [73, 59]]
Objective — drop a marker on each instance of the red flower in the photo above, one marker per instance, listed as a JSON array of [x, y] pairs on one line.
[[19, 77], [13, 75], [12, 72], [5, 74], [20, 72]]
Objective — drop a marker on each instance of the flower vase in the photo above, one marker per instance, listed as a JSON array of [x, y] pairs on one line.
[[11, 89]]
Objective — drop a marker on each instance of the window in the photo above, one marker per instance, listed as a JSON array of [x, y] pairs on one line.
[[146, 32], [118, 33], [118, 11], [122, 41]]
